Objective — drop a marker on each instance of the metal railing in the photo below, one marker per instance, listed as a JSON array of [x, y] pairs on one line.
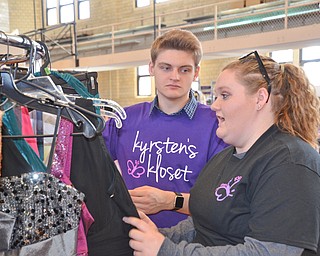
[[210, 22]]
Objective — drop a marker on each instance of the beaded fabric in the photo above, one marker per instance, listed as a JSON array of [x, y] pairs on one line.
[[42, 206], [1, 114]]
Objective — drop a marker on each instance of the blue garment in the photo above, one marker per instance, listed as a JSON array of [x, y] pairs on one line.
[[10, 122], [163, 151]]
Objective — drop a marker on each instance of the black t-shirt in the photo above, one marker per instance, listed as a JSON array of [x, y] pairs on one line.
[[271, 194]]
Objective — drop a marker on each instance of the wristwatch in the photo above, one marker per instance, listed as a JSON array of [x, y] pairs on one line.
[[178, 202]]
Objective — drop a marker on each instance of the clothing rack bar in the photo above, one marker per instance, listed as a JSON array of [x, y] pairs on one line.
[[21, 42], [35, 136]]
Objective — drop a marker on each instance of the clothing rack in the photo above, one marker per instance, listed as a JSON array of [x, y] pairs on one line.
[[81, 161], [23, 42]]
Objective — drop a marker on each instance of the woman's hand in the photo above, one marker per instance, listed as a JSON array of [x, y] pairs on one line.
[[145, 240]]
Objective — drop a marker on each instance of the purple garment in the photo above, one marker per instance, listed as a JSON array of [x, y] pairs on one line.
[[62, 155], [60, 168], [163, 151]]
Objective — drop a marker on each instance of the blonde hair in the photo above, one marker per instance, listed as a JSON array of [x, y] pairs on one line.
[[177, 39], [294, 101]]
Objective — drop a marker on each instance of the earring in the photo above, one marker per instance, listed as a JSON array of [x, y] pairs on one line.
[[259, 106]]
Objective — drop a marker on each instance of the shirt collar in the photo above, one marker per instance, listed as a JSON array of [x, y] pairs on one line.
[[189, 108]]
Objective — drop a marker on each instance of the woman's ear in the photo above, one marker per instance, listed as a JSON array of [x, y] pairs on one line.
[[262, 97]]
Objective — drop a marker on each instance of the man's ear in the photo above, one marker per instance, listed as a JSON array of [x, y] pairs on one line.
[[151, 68], [196, 73]]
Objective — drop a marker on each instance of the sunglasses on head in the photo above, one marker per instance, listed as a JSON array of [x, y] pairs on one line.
[[262, 69]]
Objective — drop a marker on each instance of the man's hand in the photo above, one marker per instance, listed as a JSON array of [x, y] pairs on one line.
[[152, 200]]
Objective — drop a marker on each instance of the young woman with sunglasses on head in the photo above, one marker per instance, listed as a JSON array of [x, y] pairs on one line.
[[260, 196]]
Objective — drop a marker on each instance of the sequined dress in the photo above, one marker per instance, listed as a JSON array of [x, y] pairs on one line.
[[36, 211]]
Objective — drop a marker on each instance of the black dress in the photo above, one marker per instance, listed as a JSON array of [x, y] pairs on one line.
[[94, 173]]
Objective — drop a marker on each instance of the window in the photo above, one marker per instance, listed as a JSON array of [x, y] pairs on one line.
[[310, 53], [143, 3], [63, 11], [195, 85], [310, 62], [144, 81], [66, 11], [83, 9], [283, 56], [51, 12], [312, 69]]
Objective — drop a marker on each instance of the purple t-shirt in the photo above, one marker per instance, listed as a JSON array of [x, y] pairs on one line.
[[163, 151]]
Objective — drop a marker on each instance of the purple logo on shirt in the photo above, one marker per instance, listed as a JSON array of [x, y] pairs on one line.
[[134, 169], [225, 190]]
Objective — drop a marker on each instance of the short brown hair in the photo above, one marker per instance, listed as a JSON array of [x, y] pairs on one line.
[[177, 39]]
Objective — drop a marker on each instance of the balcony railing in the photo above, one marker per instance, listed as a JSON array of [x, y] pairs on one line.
[[210, 22]]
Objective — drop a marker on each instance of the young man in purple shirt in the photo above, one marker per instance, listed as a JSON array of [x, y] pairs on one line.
[[163, 145]]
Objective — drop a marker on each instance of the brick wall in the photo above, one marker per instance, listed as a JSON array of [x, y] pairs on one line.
[[210, 69], [4, 16], [23, 15], [120, 86]]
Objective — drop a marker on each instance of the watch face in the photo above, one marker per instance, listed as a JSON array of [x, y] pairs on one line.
[[179, 202]]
